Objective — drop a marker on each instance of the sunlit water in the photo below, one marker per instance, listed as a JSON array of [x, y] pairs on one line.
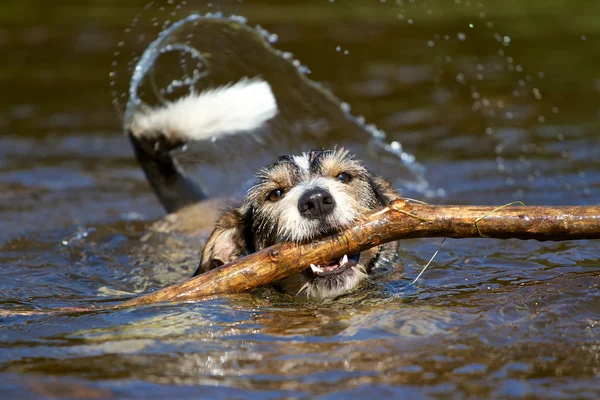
[[499, 101]]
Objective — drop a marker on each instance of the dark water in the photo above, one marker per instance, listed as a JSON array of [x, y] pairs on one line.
[[505, 110]]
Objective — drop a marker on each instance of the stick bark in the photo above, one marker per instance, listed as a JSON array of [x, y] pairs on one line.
[[400, 220]]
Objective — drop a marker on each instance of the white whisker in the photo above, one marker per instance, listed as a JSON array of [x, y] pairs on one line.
[[305, 287]]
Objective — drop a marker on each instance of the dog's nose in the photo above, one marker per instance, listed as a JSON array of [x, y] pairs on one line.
[[316, 204]]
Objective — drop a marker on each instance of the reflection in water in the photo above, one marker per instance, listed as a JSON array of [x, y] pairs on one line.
[[494, 319]]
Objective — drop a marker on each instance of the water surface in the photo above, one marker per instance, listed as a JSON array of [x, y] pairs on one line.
[[499, 100]]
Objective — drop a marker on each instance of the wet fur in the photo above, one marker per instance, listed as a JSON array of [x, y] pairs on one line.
[[260, 223]]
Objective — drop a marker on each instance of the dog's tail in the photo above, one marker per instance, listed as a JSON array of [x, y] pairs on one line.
[[154, 133]]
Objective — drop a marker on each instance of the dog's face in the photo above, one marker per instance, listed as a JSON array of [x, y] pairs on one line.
[[300, 199]]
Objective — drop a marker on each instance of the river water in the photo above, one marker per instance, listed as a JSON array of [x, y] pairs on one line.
[[498, 101]]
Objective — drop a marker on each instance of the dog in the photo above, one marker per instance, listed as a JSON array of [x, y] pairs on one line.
[[298, 198]]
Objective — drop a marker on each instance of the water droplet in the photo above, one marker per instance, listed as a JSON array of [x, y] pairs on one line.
[[461, 36], [471, 26], [430, 43], [408, 158]]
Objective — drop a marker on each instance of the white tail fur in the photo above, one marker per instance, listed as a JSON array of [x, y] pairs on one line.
[[243, 106]]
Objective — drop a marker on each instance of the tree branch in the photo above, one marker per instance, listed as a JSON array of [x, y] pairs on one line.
[[400, 220]]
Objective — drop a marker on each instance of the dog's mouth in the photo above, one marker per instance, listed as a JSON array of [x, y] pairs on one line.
[[333, 267]]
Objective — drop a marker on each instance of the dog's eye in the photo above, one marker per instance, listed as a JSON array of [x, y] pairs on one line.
[[344, 177], [275, 195]]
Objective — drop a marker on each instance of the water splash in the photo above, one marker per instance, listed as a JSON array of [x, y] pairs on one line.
[[148, 59], [514, 110], [310, 113]]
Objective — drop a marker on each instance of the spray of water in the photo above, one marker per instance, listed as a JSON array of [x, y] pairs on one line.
[[169, 41]]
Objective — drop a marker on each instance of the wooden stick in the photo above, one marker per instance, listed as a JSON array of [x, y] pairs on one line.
[[400, 220]]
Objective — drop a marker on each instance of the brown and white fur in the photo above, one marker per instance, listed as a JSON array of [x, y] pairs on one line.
[[298, 198]]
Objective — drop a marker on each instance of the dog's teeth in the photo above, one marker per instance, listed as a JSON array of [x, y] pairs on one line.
[[315, 268], [344, 260]]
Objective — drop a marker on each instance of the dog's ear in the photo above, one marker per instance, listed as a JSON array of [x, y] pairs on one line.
[[226, 242], [383, 190]]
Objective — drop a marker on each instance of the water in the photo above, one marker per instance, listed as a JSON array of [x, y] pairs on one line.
[[488, 319]]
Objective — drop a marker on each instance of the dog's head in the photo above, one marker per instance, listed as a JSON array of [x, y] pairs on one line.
[[300, 199]]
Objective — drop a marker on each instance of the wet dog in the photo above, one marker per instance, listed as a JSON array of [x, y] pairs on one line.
[[298, 198]]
